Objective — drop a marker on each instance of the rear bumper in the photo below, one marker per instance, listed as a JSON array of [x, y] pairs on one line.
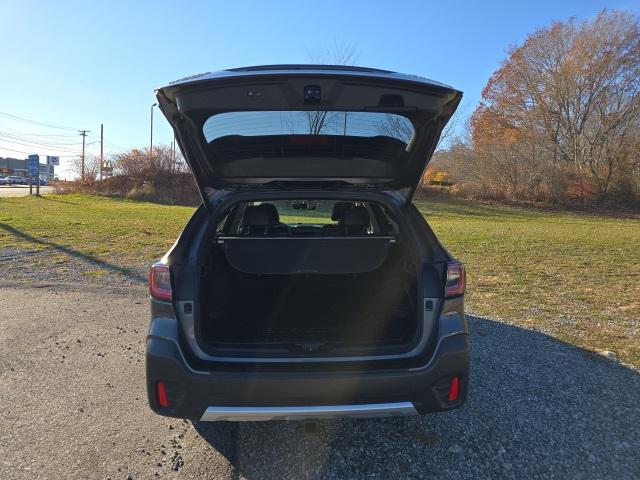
[[368, 410], [260, 395]]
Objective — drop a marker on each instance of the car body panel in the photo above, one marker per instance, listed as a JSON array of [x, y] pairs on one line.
[[193, 390]]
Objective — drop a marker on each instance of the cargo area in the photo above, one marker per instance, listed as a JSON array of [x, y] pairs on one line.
[[339, 281]]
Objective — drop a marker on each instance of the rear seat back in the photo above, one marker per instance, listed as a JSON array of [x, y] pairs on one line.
[[256, 220], [263, 219], [337, 215], [356, 221]]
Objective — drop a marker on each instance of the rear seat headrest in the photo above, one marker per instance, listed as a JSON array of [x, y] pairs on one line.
[[339, 209], [357, 216], [272, 211], [254, 215]]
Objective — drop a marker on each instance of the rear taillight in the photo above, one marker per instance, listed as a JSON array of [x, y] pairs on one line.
[[456, 280], [160, 282], [161, 394], [454, 389]]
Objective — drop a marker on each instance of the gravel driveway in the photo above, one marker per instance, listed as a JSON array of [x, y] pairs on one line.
[[73, 405]]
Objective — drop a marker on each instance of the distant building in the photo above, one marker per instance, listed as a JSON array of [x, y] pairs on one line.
[[16, 166]]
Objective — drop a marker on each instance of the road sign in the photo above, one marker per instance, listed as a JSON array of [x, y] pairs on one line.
[[34, 165], [53, 160]]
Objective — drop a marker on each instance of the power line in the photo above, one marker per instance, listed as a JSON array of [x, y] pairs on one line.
[[115, 145], [29, 153], [39, 146], [49, 141], [38, 141], [35, 122], [52, 135]]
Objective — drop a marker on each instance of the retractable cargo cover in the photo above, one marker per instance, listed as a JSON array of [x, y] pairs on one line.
[[285, 255]]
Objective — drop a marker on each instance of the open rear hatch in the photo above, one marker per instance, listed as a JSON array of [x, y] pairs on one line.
[[301, 124]]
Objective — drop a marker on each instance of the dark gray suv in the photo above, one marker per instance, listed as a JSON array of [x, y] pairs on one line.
[[306, 285]]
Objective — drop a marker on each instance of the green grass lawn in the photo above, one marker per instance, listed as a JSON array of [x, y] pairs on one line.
[[120, 232], [574, 276]]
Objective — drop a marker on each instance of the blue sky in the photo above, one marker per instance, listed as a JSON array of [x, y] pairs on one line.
[[79, 64]]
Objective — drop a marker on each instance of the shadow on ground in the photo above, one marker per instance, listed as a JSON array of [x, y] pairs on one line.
[[59, 200], [95, 261], [537, 408], [447, 206]]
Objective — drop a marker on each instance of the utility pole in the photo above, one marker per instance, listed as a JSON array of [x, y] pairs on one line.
[[83, 134], [101, 149]]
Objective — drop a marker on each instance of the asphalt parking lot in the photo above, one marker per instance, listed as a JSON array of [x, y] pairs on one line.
[[73, 405], [21, 190]]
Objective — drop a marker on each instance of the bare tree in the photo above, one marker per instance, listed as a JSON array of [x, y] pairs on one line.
[[138, 163], [338, 54], [453, 126], [91, 168], [395, 126]]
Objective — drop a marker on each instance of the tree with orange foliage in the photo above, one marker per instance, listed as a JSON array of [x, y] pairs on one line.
[[567, 100]]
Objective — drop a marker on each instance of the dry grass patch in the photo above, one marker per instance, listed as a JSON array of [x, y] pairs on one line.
[[574, 276]]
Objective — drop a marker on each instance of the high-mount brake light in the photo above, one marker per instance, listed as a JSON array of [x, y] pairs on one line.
[[308, 139], [160, 282], [456, 280]]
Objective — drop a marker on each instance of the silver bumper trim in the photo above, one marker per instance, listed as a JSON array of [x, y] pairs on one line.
[[244, 414]]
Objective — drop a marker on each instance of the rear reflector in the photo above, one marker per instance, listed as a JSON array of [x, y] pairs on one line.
[[454, 389], [160, 282], [161, 393], [456, 280]]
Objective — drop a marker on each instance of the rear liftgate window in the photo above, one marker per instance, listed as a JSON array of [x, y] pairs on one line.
[[308, 236], [313, 122], [320, 144]]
